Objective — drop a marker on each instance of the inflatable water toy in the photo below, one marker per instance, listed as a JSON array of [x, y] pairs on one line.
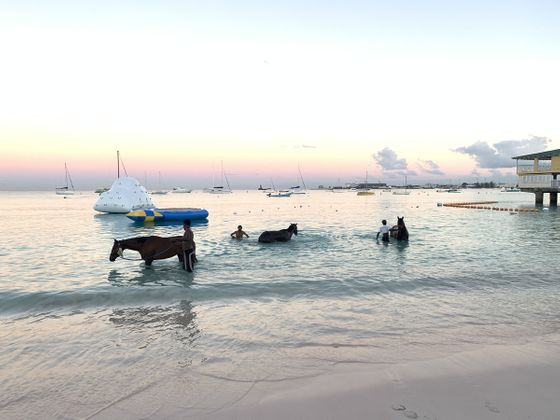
[[126, 194], [167, 215]]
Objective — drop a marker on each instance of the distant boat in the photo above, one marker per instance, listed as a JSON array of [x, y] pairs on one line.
[[101, 190], [263, 189], [220, 189], [68, 189], [366, 190], [510, 189], [281, 193], [297, 189], [402, 192], [159, 191], [180, 190], [449, 190]]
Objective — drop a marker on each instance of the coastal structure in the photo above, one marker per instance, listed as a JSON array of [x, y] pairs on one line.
[[538, 173]]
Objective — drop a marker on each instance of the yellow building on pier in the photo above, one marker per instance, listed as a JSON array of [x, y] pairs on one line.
[[537, 173]]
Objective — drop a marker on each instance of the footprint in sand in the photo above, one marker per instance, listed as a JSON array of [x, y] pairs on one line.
[[491, 407], [407, 413]]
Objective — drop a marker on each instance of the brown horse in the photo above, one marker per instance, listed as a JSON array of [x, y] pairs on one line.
[[282, 235], [150, 248], [399, 231]]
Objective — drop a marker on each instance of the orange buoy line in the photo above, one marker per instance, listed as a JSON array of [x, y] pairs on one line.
[[483, 205]]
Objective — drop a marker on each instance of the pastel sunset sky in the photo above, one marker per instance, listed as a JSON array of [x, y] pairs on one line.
[[440, 91]]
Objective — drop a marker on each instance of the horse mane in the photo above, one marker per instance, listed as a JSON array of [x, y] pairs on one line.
[[139, 239]]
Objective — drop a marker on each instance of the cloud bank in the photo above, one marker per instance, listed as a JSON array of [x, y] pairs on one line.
[[430, 167], [500, 154]]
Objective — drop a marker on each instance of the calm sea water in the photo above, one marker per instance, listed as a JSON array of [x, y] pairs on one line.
[[79, 333]]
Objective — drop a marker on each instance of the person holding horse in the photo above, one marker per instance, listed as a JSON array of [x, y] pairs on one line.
[[188, 246], [239, 233], [384, 230]]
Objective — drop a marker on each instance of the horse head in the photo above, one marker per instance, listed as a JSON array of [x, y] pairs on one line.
[[116, 251], [293, 228], [402, 231]]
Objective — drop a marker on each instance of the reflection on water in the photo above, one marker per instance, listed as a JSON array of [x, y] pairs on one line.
[[179, 320], [151, 276]]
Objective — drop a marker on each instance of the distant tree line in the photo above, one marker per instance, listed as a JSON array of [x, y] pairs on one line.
[[480, 185]]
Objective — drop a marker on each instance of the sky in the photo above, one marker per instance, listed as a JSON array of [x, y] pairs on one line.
[[437, 91]]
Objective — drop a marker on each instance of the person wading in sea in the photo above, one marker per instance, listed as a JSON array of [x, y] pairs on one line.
[[188, 246], [238, 234], [384, 230]]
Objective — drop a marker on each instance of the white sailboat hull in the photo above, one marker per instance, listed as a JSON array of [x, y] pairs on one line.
[[64, 192]]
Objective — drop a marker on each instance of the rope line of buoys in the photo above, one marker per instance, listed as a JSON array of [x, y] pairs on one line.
[[484, 205]]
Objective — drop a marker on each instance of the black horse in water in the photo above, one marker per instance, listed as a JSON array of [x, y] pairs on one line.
[[150, 248], [399, 231], [282, 235]]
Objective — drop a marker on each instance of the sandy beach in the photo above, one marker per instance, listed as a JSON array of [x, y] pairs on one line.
[[496, 382]]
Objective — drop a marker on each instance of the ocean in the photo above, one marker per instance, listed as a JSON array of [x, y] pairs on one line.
[[82, 336]]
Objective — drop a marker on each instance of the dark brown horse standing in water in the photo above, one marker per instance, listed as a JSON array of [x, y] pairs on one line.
[[282, 235], [150, 248], [399, 231]]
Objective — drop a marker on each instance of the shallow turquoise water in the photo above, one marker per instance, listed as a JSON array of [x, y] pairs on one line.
[[78, 330]]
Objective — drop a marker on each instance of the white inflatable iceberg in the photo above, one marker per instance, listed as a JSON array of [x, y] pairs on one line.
[[126, 194]]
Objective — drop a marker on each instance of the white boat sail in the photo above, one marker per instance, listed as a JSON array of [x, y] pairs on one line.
[[68, 188], [297, 188], [126, 194], [220, 189]]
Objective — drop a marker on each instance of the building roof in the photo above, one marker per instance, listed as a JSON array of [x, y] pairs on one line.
[[541, 155]]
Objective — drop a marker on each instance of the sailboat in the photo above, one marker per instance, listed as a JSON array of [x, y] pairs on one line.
[[297, 189], [181, 190], [220, 189], [68, 188], [365, 190], [278, 193], [159, 191], [402, 192]]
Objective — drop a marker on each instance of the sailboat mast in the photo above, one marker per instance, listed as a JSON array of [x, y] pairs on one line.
[[68, 177], [301, 176], [224, 176], [118, 165]]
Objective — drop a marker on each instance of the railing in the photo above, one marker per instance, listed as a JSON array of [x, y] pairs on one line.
[[528, 183], [542, 167]]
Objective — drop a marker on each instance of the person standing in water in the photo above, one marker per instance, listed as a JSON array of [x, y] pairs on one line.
[[384, 230], [188, 246], [238, 234]]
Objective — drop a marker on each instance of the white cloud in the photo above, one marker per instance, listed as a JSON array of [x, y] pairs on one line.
[[500, 154]]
